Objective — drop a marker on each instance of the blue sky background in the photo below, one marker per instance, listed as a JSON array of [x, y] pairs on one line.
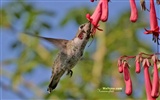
[[60, 7]]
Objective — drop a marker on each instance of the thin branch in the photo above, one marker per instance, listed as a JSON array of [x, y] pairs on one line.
[[149, 11]]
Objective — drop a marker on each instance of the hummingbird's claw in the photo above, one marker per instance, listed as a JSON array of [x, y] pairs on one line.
[[70, 72]]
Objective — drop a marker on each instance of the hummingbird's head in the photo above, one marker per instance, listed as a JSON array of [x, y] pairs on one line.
[[84, 31]]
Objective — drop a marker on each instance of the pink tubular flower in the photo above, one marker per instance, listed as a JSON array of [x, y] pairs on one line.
[[100, 14], [127, 79], [120, 66], [147, 79], [142, 59], [138, 67], [155, 87], [153, 22], [134, 11], [94, 19], [104, 16]]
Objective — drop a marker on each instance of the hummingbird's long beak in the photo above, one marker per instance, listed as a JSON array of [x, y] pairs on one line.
[[88, 28]]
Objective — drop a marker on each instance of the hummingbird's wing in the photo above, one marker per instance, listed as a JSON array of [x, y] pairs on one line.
[[59, 43]]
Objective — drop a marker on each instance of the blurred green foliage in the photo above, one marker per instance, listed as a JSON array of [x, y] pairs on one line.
[[96, 71]]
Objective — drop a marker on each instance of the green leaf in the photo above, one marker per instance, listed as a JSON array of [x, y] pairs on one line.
[[4, 22], [30, 20]]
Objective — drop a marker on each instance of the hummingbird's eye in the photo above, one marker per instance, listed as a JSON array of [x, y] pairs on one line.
[[81, 26]]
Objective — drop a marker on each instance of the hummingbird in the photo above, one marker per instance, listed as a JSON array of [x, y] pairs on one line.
[[70, 52]]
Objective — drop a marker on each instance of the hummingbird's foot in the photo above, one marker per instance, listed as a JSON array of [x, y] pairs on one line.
[[70, 72]]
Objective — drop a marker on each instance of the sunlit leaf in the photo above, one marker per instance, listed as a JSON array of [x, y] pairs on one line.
[[4, 22]]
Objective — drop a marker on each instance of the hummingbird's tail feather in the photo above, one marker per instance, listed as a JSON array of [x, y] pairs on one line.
[[55, 80], [53, 84]]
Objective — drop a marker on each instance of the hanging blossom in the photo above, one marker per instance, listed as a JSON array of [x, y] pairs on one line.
[[138, 67], [147, 79], [100, 14], [127, 79], [134, 11], [142, 59], [155, 86], [153, 23]]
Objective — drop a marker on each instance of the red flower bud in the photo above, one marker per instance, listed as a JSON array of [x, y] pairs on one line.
[[138, 67], [120, 66], [134, 11], [155, 84], [127, 79]]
